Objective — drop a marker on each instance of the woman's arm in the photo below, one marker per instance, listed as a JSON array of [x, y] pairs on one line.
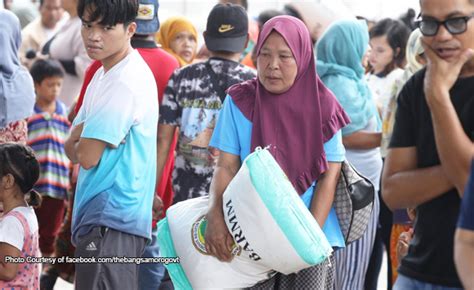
[[8, 270], [362, 140], [219, 242], [324, 194]]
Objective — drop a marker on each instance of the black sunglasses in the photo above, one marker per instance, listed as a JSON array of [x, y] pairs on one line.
[[455, 25]]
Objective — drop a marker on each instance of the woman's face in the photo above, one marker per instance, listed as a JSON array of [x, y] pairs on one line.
[[184, 44], [276, 65], [381, 54]]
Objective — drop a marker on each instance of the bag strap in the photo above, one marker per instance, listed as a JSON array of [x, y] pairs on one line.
[[214, 80]]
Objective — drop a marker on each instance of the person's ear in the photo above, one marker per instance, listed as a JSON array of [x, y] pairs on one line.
[[8, 181], [131, 29]]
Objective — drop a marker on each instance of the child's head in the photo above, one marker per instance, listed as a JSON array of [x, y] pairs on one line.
[[19, 171], [48, 78]]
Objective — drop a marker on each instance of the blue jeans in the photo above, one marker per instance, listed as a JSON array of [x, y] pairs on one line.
[[406, 283], [150, 274]]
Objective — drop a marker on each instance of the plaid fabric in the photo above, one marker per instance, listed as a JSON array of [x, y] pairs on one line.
[[352, 202]]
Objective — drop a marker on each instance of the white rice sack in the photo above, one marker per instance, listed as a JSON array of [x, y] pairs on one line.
[[181, 235], [268, 219], [272, 228]]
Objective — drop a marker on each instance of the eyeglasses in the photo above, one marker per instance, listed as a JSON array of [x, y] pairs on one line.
[[455, 25]]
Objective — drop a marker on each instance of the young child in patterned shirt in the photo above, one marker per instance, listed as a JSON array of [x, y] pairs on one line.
[[48, 129], [19, 171]]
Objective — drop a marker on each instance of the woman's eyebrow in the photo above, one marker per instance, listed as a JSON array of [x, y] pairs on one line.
[[285, 51]]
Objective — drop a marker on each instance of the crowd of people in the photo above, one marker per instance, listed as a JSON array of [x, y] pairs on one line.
[[109, 117]]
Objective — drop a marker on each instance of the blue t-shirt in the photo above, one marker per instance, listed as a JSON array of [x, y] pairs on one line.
[[233, 133], [120, 108], [466, 216]]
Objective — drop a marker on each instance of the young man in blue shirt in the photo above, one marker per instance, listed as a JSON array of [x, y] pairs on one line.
[[113, 138]]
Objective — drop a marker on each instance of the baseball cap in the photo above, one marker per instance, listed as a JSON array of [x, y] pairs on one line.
[[227, 28], [147, 17]]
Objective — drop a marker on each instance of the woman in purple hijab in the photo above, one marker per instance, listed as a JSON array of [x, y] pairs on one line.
[[289, 109]]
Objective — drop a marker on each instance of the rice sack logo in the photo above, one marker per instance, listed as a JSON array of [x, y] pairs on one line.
[[198, 231]]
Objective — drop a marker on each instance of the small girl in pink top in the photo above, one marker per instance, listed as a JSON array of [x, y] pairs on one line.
[[19, 171]]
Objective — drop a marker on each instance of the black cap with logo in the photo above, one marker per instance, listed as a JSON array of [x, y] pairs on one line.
[[227, 28]]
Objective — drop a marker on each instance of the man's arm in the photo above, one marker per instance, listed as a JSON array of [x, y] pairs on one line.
[[165, 138], [362, 140], [87, 152], [219, 242], [71, 142], [464, 256], [455, 149], [405, 185]]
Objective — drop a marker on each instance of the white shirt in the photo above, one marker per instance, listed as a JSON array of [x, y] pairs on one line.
[[119, 104], [11, 230], [382, 88]]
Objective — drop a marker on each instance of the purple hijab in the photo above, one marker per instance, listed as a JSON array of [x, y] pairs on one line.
[[298, 122]]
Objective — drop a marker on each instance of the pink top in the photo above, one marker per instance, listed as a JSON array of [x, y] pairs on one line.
[[27, 277]]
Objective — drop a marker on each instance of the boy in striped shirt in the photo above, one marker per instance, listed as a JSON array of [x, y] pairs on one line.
[[48, 129]]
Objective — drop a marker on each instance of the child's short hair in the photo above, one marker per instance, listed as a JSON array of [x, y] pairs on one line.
[[20, 161], [45, 68], [108, 12]]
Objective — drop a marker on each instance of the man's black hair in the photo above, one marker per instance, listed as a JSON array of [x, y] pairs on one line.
[[408, 18], [266, 15], [288, 10], [108, 12], [45, 68]]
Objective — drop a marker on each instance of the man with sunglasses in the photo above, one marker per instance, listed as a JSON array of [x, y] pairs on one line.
[[431, 148]]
